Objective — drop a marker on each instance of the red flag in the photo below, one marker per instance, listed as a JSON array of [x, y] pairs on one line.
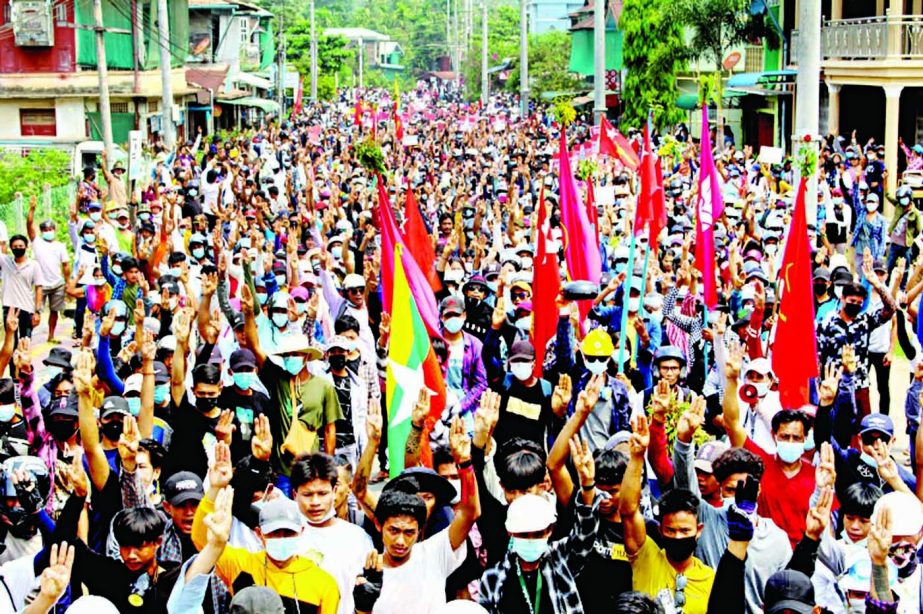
[[591, 212], [613, 144], [419, 286], [794, 347], [545, 288], [419, 242], [647, 214], [659, 220], [299, 94], [398, 127], [708, 209], [357, 113], [374, 122]]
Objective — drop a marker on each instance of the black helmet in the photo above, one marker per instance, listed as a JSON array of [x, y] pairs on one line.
[[669, 352], [905, 191], [20, 516]]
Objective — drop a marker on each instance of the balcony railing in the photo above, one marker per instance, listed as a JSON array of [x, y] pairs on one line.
[[868, 38]]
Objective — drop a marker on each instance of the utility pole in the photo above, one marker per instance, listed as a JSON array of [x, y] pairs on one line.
[[807, 93], [361, 60], [135, 48], [103, 72], [485, 78], [599, 61], [167, 129], [524, 58], [281, 65], [313, 57]]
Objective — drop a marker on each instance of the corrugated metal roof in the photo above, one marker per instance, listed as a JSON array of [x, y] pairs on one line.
[[354, 34]]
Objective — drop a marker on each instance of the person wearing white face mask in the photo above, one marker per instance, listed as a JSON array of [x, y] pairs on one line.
[[870, 232], [464, 370], [762, 402]]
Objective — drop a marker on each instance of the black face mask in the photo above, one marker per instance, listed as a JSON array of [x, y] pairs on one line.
[[337, 362], [205, 404], [19, 252], [61, 431], [679, 549], [852, 309], [820, 289], [112, 430]]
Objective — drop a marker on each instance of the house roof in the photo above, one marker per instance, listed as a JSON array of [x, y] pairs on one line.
[[354, 34], [208, 77], [584, 16], [235, 5]]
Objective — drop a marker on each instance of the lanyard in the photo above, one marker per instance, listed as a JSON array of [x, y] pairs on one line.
[[525, 592]]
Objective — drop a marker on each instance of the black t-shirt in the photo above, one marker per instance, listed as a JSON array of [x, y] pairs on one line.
[[344, 427], [246, 409], [607, 572], [513, 598], [524, 412], [187, 450]]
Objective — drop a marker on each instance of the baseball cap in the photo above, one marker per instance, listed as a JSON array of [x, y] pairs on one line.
[[161, 373], [522, 351], [66, 406], [879, 266], [617, 439], [133, 383], [877, 422], [821, 274], [760, 365], [788, 590], [530, 513], [183, 486], [353, 281], [707, 454], [114, 405], [167, 343], [280, 513], [242, 359], [339, 341], [906, 512], [451, 305], [257, 600], [59, 357]]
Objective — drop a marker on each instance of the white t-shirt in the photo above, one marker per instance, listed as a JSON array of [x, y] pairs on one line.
[[340, 550], [418, 586], [50, 255], [18, 577]]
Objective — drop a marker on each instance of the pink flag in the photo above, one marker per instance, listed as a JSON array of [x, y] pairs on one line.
[[419, 285], [583, 259], [708, 208]]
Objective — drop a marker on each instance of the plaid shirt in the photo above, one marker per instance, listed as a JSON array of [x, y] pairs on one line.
[[835, 333], [560, 566]]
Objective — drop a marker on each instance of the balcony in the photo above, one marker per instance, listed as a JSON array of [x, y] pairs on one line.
[[868, 39]]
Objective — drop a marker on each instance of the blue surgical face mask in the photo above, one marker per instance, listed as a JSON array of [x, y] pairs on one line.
[[789, 451], [117, 329], [161, 393], [175, 271], [89, 238], [294, 364], [7, 412], [493, 286], [868, 460], [96, 216], [301, 308], [280, 280], [134, 405], [144, 216], [809, 441], [262, 297], [454, 324], [116, 269], [529, 550], [280, 319], [198, 252], [244, 380], [336, 251], [524, 324], [48, 235], [283, 548], [53, 372]]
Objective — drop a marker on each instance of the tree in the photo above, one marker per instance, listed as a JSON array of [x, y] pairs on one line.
[[653, 52], [719, 25], [502, 42], [332, 51], [549, 54]]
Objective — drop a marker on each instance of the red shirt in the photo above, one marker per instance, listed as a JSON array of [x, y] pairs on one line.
[[784, 499]]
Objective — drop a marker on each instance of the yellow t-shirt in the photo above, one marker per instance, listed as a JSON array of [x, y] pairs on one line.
[[652, 574]]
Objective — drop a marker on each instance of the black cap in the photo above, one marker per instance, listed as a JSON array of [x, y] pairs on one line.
[[425, 480], [821, 274], [114, 405], [236, 321], [788, 590], [64, 406], [161, 373], [522, 349], [59, 357], [242, 359], [183, 486]]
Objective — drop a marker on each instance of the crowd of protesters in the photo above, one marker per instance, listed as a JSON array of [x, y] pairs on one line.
[[214, 437]]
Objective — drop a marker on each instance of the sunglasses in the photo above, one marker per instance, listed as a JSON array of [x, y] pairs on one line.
[[869, 439], [679, 598], [597, 358]]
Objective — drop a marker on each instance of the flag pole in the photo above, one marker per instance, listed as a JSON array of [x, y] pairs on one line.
[[647, 262], [626, 291]]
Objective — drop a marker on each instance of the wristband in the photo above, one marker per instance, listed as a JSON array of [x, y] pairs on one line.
[[465, 465], [588, 487], [415, 427]]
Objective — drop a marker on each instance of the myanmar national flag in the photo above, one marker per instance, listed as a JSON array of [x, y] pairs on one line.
[[412, 365]]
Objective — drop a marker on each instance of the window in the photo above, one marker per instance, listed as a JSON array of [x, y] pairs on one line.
[[37, 122], [6, 13], [244, 31], [153, 105], [119, 107], [60, 13]]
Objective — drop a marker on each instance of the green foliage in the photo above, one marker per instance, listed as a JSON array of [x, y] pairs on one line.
[[586, 169], [332, 53], [326, 87], [370, 156], [502, 42], [719, 25], [549, 54], [563, 111], [653, 53], [28, 174]]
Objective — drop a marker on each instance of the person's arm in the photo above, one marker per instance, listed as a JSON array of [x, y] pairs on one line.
[[218, 525], [12, 325], [731, 406], [146, 414], [578, 545], [178, 374], [220, 472], [253, 337], [804, 557], [657, 450], [89, 431], [633, 526], [560, 451], [879, 546], [54, 579], [728, 595], [417, 424], [105, 369], [133, 494], [30, 219], [469, 509], [360, 482]]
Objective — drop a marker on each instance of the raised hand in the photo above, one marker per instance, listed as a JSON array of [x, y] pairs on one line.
[[209, 283], [213, 327], [640, 436], [818, 517], [219, 521], [825, 474], [384, 327], [887, 468], [459, 442], [148, 347], [22, 357], [420, 408], [583, 461], [225, 427], [12, 320], [83, 371], [139, 312], [246, 297], [879, 539], [691, 420], [374, 422], [56, 577], [221, 470], [261, 441], [734, 361], [560, 399], [830, 384], [848, 358], [128, 443], [498, 317], [660, 401], [485, 418], [183, 326]]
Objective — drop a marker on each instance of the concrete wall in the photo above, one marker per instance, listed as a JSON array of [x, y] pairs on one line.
[[69, 117]]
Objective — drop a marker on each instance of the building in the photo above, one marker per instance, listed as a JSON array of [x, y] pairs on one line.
[[378, 50], [547, 15], [872, 66], [49, 90]]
